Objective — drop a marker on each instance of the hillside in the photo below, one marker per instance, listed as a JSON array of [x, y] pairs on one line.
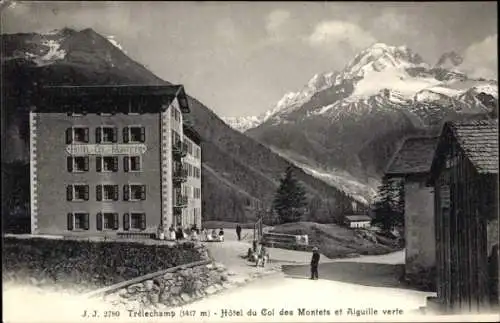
[[238, 173], [338, 242], [349, 123]]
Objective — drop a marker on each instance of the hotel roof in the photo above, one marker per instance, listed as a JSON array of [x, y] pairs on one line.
[[47, 96]]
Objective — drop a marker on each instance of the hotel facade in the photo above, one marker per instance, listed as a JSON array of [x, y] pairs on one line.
[[113, 160]]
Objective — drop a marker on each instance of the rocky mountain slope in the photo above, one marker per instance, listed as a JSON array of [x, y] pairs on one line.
[[344, 126], [238, 174]]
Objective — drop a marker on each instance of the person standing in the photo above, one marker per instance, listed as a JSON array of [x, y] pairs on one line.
[[238, 231], [315, 263]]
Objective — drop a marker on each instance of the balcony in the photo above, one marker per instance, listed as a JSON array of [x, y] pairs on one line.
[[180, 201], [179, 175], [179, 149]]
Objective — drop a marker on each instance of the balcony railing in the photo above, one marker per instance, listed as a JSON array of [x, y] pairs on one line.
[[179, 149], [180, 201], [179, 175]]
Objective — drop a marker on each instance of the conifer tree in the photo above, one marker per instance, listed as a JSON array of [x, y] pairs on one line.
[[389, 204], [290, 199]]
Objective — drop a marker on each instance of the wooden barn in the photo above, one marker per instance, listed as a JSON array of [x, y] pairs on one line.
[[464, 174]]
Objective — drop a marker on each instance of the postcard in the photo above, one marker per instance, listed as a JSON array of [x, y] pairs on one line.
[[249, 161]]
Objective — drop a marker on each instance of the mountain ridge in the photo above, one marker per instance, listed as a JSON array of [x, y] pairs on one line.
[[384, 92]]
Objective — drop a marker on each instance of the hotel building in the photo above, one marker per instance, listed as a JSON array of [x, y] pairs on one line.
[[113, 160]]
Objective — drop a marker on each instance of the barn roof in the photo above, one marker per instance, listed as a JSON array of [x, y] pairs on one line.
[[354, 218], [414, 156], [479, 141]]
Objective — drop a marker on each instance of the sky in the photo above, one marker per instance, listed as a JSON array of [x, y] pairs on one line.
[[240, 58]]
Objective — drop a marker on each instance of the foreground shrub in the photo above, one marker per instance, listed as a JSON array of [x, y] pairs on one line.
[[85, 264]]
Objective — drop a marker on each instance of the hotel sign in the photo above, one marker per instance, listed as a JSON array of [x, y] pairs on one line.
[[113, 149]]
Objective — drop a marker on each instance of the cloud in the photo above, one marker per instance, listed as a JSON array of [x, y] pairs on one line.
[[328, 34], [276, 24], [394, 22], [481, 58]]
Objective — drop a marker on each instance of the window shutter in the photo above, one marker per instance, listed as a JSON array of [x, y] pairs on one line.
[[99, 221], [115, 193], [69, 137], [116, 224], [126, 161], [115, 135], [143, 221], [115, 163], [70, 221], [98, 192], [126, 192], [125, 135], [86, 135], [126, 221], [69, 163], [143, 192], [98, 137], [86, 163], [86, 194], [98, 164], [86, 221], [143, 134], [69, 193]]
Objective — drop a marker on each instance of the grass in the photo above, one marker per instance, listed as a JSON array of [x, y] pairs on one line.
[[337, 242]]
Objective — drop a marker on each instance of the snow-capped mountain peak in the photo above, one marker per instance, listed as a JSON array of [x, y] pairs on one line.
[[243, 123], [379, 76], [115, 43], [45, 51], [379, 57]]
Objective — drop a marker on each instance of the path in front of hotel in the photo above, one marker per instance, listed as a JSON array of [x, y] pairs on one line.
[[365, 284]]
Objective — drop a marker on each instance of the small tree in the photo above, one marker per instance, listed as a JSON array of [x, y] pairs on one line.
[[290, 200]]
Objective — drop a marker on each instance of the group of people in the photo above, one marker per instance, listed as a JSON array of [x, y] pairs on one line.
[[194, 234], [258, 254]]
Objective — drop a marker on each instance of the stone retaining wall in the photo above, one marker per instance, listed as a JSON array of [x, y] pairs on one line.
[[175, 287]]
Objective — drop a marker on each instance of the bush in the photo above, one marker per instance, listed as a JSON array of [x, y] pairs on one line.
[[86, 265]]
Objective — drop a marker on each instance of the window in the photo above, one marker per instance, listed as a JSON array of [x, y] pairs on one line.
[[177, 114], [77, 135], [107, 221], [134, 134], [190, 147], [107, 192], [134, 220], [78, 221], [196, 172], [197, 193], [107, 164], [132, 163], [106, 135], [134, 192], [77, 192], [77, 164], [176, 138], [197, 152]]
